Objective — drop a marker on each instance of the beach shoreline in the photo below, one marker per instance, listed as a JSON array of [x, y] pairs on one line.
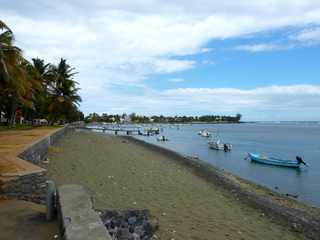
[[286, 210], [188, 201]]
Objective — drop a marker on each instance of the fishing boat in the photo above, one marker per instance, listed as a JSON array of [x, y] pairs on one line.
[[217, 144], [260, 158]]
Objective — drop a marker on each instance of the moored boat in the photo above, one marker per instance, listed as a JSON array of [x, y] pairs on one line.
[[162, 139], [219, 145], [259, 158], [204, 133]]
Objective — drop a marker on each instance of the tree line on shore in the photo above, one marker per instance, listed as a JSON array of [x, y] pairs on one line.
[[35, 89], [135, 118]]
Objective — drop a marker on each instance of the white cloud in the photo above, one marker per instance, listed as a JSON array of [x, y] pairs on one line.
[[176, 80], [301, 102], [263, 47], [311, 36], [208, 62], [269, 100], [295, 90], [126, 42]]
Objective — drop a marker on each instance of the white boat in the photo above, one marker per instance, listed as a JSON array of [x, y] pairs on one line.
[[217, 144], [204, 133]]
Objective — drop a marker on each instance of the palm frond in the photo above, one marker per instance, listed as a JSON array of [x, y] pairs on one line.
[[3, 26]]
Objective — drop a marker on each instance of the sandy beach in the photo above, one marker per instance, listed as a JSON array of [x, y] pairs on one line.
[[120, 173]]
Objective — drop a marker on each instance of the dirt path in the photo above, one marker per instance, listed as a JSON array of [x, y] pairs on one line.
[[123, 174]]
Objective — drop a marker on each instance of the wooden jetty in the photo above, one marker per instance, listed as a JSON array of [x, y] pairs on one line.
[[125, 130]]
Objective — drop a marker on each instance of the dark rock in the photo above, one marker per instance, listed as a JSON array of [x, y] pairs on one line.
[[136, 236], [131, 224], [132, 220], [124, 234], [139, 230]]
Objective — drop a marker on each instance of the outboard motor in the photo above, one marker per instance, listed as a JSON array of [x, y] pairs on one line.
[[299, 160], [225, 147]]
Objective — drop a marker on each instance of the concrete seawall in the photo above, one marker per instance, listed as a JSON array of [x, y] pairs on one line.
[[31, 186], [37, 151], [300, 217], [79, 221]]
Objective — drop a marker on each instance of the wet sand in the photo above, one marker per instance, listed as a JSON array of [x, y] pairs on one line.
[[125, 174]]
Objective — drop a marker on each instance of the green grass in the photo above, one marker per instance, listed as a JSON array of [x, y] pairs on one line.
[[16, 127]]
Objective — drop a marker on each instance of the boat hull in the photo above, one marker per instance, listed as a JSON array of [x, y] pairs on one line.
[[220, 146], [216, 146], [273, 161], [204, 133]]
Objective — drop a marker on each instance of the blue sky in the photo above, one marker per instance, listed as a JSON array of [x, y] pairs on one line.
[[173, 57], [227, 66]]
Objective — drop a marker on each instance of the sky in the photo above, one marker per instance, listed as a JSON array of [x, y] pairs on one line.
[[181, 57]]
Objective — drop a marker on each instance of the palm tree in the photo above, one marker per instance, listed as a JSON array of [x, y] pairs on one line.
[[38, 89], [41, 101], [63, 91], [43, 70], [8, 52], [16, 86]]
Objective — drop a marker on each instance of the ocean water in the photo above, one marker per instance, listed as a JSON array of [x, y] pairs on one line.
[[285, 139]]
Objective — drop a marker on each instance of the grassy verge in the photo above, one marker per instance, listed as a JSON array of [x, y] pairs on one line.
[[25, 127]]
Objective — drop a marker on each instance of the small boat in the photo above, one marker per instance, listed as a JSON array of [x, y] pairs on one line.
[[276, 161], [204, 133], [219, 145], [162, 139], [145, 134]]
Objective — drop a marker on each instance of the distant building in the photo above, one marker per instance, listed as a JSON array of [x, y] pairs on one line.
[[39, 122], [125, 119], [19, 117], [2, 118]]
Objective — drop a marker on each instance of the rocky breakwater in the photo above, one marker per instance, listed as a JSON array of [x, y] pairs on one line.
[[129, 224]]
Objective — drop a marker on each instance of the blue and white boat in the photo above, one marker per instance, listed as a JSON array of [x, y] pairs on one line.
[[259, 158]]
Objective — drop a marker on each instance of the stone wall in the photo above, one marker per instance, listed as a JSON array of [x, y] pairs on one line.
[[39, 150], [32, 186]]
